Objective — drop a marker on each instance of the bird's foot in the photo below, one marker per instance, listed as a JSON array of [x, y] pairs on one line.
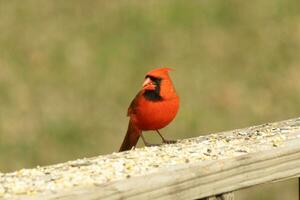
[[169, 141]]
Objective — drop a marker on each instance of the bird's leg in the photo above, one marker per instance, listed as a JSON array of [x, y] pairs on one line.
[[165, 140], [147, 144]]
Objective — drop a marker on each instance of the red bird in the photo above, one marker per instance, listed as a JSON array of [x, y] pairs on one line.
[[153, 108]]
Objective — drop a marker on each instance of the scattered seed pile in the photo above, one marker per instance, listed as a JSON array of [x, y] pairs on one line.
[[138, 162]]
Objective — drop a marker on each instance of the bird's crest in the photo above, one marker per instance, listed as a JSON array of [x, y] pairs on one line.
[[158, 72]]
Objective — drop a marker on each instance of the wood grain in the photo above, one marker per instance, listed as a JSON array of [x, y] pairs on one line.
[[204, 179]]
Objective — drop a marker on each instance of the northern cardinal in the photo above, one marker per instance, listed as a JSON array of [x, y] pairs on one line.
[[153, 108]]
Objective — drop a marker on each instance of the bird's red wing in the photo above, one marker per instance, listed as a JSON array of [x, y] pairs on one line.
[[133, 105]]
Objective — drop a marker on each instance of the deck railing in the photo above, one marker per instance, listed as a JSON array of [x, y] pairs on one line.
[[205, 167]]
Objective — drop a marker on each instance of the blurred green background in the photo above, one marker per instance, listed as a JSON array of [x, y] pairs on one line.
[[69, 69]]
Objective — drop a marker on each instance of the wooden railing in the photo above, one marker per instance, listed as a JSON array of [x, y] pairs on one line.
[[205, 167]]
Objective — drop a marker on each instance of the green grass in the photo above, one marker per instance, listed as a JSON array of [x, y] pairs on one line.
[[68, 71]]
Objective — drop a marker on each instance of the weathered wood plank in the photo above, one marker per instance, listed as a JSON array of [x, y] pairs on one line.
[[237, 159]]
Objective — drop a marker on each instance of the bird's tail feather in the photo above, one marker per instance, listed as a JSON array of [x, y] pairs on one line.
[[131, 138]]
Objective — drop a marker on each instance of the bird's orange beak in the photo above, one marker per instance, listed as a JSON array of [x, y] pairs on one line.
[[148, 84]]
